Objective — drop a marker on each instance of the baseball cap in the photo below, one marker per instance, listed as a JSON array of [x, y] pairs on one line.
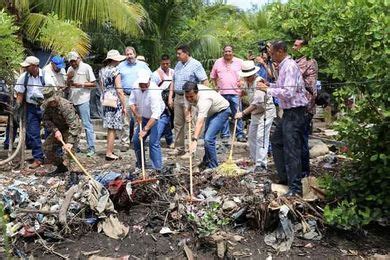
[[73, 56], [58, 61], [30, 60], [143, 76]]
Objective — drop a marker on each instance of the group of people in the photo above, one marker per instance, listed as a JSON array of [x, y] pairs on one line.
[[138, 103]]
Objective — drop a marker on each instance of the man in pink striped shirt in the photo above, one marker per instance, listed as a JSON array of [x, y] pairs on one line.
[[225, 76], [287, 138]]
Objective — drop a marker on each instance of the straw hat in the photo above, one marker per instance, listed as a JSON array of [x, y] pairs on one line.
[[248, 68], [115, 55]]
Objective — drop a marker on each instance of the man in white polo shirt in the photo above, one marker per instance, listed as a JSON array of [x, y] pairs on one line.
[[147, 105], [81, 80], [213, 111]]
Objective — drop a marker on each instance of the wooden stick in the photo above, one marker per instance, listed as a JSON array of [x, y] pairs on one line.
[[142, 153], [233, 138], [189, 145], [75, 159]]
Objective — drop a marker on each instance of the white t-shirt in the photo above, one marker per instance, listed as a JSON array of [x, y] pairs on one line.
[[58, 78], [34, 85], [159, 73], [82, 74], [209, 102]]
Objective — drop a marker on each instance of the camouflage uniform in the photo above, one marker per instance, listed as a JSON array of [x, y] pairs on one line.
[[60, 114]]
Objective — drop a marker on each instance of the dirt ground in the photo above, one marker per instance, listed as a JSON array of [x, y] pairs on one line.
[[145, 241]]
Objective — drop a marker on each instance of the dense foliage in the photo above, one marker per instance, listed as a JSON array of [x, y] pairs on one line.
[[11, 50], [351, 39]]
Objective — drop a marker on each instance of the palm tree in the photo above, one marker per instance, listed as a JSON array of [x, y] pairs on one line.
[[62, 25]]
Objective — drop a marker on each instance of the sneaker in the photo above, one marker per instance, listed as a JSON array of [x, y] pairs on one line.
[[291, 194], [241, 139], [260, 169], [60, 169], [90, 153], [171, 146], [177, 152], [36, 164]]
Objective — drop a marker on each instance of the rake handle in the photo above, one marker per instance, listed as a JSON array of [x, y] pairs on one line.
[[142, 153], [189, 147], [74, 158]]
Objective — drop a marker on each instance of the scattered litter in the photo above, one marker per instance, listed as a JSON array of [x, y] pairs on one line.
[[282, 238]]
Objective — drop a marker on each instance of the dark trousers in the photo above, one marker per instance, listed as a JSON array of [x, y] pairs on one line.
[[33, 131], [287, 141], [305, 145]]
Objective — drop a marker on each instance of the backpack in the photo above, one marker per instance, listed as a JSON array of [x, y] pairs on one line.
[[41, 78]]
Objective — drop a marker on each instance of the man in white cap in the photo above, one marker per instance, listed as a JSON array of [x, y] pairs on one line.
[[29, 87], [81, 80], [147, 106], [262, 111]]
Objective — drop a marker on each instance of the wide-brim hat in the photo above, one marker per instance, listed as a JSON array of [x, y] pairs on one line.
[[115, 55], [248, 68]]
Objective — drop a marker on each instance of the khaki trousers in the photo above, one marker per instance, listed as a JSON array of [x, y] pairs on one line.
[[179, 122]]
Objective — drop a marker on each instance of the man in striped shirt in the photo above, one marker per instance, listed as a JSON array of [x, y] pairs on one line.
[[187, 69], [288, 136]]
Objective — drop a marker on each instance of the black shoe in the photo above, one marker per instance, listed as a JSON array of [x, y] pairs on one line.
[[60, 169], [73, 179], [260, 169], [241, 139]]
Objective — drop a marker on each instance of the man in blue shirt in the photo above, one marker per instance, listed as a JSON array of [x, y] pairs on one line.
[[129, 69], [186, 70]]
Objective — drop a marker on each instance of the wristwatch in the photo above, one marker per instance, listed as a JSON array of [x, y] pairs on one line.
[[194, 139]]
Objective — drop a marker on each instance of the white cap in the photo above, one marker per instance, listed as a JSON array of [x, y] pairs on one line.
[[73, 56], [143, 76], [30, 60]]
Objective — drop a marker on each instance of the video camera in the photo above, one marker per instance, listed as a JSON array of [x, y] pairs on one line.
[[262, 45]]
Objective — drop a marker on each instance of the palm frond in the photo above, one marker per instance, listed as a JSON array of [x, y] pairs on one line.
[[57, 35], [124, 16]]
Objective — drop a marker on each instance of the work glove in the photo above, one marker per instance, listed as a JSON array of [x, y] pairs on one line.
[[17, 112]]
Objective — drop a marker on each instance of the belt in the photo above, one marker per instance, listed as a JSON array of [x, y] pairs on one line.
[[179, 92], [295, 109]]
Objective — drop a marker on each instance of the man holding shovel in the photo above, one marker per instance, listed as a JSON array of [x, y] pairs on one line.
[[213, 111], [263, 112], [63, 123]]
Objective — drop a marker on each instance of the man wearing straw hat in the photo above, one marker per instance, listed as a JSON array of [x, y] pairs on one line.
[[62, 121], [262, 111], [213, 110], [147, 105]]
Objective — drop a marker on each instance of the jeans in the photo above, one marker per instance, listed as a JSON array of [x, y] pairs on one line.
[[33, 130], [164, 127], [84, 113], [305, 146], [287, 143], [235, 103], [214, 125], [154, 145]]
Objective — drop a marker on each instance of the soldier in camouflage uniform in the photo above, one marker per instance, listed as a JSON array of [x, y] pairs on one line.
[[61, 121]]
